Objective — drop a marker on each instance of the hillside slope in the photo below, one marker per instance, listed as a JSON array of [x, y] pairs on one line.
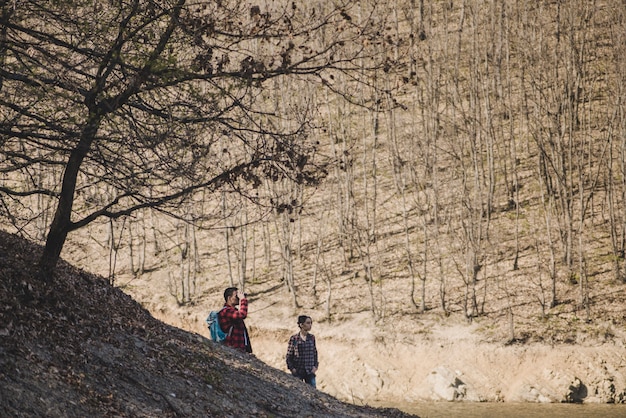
[[80, 347]]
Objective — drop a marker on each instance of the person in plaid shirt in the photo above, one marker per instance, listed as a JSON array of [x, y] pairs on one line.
[[231, 320], [302, 353]]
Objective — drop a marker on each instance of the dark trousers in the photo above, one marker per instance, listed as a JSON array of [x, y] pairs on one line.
[[308, 378]]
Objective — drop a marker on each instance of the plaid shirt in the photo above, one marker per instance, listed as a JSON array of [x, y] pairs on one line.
[[231, 317], [302, 355]]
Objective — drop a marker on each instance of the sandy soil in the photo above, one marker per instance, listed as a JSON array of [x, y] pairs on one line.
[[363, 364], [363, 367]]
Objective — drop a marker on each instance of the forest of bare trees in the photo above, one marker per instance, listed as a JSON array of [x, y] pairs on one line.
[[470, 152]]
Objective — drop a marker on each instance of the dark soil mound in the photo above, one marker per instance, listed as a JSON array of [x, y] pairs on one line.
[[79, 347]]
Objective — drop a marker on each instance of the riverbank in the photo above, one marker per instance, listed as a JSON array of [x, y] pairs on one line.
[[453, 363]]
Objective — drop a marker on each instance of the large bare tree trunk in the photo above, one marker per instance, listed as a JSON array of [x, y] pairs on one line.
[[62, 224]]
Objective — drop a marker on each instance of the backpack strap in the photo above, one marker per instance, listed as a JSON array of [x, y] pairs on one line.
[[230, 330]]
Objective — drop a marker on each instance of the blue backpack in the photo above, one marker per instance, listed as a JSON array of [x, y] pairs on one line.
[[213, 322]]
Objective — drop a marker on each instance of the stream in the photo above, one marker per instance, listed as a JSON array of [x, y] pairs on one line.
[[508, 409]]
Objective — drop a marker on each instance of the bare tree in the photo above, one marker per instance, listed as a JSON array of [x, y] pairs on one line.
[[114, 245], [342, 147], [137, 96], [182, 282], [616, 161], [285, 213]]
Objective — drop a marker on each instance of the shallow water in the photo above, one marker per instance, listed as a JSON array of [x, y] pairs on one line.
[[504, 410]]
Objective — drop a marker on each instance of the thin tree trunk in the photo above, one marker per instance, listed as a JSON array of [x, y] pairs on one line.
[[227, 233]]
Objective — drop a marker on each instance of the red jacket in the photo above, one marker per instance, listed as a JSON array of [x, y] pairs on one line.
[[231, 322]]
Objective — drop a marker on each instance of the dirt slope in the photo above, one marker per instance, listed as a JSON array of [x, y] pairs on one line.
[[80, 347]]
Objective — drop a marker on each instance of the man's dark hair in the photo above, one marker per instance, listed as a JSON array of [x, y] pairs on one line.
[[302, 319], [229, 292]]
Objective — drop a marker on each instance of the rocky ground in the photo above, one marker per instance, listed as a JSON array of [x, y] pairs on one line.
[[79, 347]]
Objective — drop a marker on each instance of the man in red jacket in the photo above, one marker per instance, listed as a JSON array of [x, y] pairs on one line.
[[231, 320]]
